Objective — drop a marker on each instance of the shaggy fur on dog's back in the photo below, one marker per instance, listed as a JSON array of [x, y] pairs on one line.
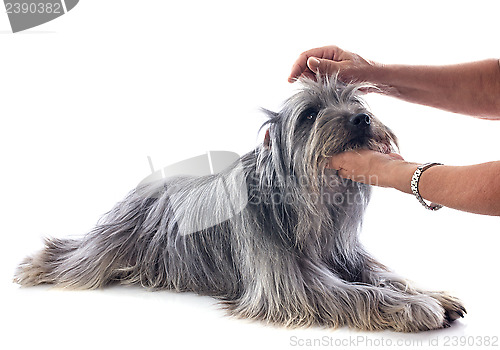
[[291, 255]]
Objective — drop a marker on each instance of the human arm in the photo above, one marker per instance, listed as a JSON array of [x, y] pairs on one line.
[[468, 88], [473, 188]]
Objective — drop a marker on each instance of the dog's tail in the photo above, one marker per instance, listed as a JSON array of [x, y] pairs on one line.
[[43, 267], [105, 255], [89, 263]]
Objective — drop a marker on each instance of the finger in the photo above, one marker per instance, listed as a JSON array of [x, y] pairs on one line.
[[322, 66], [300, 65], [335, 162], [343, 174], [308, 75]]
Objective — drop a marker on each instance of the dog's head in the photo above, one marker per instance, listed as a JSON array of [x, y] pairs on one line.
[[323, 118]]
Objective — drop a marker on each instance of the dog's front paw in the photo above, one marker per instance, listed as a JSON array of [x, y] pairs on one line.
[[415, 314], [453, 307]]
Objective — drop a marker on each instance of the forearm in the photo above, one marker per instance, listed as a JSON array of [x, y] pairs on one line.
[[474, 188], [469, 88]]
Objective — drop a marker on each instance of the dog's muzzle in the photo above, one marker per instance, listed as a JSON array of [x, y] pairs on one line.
[[360, 121]]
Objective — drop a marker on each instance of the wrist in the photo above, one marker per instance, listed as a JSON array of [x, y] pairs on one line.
[[372, 73], [360, 70], [383, 77], [397, 174], [403, 175]]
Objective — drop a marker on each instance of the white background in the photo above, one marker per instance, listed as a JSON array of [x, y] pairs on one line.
[[85, 99]]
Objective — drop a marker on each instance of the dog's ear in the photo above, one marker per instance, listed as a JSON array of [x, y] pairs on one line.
[[270, 114], [267, 140], [273, 118]]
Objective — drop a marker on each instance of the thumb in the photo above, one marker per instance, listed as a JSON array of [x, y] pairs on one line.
[[322, 66]]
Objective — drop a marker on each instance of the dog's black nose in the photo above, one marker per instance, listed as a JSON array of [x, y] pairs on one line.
[[360, 120]]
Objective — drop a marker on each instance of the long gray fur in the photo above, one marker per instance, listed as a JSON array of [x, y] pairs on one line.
[[292, 256]]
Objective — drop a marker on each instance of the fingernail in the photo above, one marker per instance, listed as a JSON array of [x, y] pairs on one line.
[[314, 62]]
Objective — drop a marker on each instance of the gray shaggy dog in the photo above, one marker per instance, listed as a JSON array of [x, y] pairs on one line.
[[288, 253]]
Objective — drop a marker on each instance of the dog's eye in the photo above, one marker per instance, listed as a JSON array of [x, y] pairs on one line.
[[309, 114]]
